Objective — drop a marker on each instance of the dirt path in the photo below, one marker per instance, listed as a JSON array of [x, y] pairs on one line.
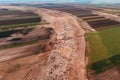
[[66, 61], [18, 52]]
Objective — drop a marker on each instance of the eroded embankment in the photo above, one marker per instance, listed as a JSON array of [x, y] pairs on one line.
[[66, 60]]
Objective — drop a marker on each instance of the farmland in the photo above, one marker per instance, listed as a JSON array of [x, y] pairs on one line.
[[102, 23], [107, 53], [16, 24], [102, 50], [22, 32], [17, 19], [104, 44], [85, 12]]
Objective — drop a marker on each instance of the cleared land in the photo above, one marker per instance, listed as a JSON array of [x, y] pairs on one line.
[[104, 49]]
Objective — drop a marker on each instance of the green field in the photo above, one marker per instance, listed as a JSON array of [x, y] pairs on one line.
[[22, 44], [23, 17], [20, 26], [96, 19], [104, 49]]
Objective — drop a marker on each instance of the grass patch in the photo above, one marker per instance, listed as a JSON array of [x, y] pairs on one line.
[[98, 19], [1, 19], [104, 49], [20, 26], [22, 44], [105, 64]]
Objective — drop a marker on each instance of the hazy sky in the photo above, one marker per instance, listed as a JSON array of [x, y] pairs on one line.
[[92, 1], [107, 1], [46, 0]]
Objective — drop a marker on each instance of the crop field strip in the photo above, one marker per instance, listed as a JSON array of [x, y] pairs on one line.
[[18, 26], [51, 6], [18, 17], [16, 21], [11, 15], [23, 44], [72, 10], [21, 26], [98, 19], [7, 12], [93, 20], [86, 15], [78, 13], [19, 21], [8, 33], [89, 18], [108, 27], [101, 23]]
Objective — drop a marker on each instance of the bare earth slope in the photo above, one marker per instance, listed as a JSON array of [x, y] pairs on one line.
[[66, 60]]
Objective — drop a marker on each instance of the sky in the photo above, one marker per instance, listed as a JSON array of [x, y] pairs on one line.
[[45, 0], [106, 1], [80, 1]]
